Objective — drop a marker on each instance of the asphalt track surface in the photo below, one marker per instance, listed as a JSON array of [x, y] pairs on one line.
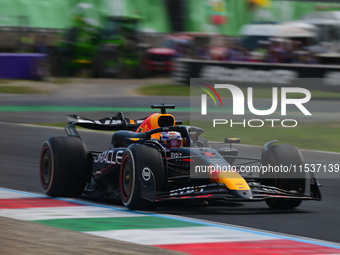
[[21, 144]]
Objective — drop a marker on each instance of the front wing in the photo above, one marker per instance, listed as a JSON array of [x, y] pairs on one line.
[[221, 192]]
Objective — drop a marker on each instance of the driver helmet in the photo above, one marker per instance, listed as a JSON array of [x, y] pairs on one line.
[[171, 139]]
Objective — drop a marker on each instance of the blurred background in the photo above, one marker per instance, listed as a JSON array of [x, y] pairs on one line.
[[135, 39], [91, 56]]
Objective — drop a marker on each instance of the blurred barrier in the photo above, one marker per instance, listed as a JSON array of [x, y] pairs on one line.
[[23, 66], [12, 37], [319, 77]]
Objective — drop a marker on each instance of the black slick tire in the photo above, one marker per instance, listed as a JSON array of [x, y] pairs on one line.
[[135, 159], [64, 168], [286, 155]]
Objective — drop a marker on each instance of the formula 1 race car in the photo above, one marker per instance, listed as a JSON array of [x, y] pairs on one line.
[[157, 159]]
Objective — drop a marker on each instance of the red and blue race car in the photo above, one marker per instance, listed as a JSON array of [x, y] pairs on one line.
[[157, 159]]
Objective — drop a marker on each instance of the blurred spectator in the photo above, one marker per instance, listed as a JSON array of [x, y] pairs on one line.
[[323, 47], [219, 53], [203, 52], [276, 51], [287, 55], [261, 54], [219, 50], [182, 49], [310, 59], [237, 53], [296, 51]]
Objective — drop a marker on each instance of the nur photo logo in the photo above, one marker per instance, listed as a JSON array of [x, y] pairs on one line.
[[239, 101]]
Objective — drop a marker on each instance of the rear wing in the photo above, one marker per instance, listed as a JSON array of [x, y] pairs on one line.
[[114, 123]]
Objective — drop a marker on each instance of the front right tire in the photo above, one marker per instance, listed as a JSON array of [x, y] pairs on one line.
[[287, 156]]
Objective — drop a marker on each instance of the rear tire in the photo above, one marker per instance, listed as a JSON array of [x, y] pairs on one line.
[[285, 155], [64, 168], [135, 159]]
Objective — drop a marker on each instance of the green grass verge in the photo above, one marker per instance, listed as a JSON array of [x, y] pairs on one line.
[[29, 86], [19, 90], [164, 90], [58, 124], [178, 90], [312, 136]]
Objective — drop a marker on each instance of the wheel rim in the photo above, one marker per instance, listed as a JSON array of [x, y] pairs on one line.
[[46, 168], [127, 178]]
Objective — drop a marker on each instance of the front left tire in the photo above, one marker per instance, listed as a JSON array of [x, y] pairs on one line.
[[135, 159]]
